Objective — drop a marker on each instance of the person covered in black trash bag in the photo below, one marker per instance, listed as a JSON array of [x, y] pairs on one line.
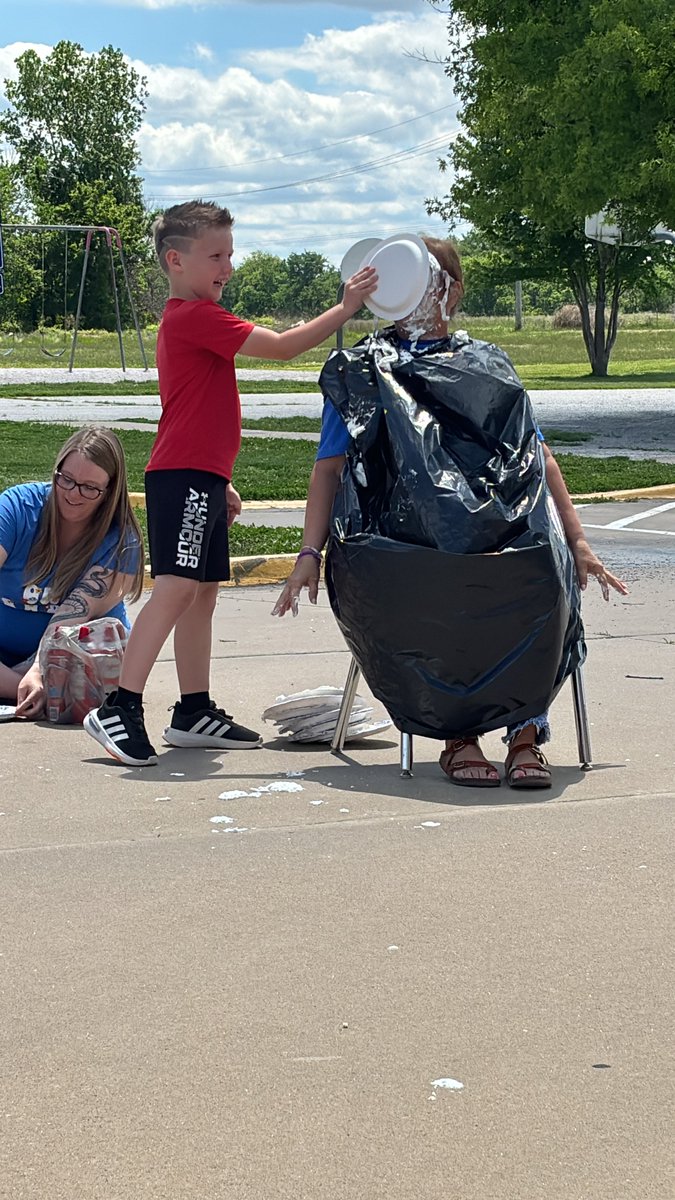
[[442, 453]]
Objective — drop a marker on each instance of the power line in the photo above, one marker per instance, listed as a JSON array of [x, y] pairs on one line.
[[254, 162], [428, 147]]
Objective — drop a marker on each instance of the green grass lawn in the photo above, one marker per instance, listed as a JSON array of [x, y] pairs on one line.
[[644, 355], [276, 469]]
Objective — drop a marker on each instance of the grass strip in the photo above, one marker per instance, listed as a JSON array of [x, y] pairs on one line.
[[41, 391], [278, 469]]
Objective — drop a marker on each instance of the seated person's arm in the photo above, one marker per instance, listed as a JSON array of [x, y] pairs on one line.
[[587, 563], [93, 596], [323, 485]]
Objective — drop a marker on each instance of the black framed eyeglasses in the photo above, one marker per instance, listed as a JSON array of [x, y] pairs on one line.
[[68, 484]]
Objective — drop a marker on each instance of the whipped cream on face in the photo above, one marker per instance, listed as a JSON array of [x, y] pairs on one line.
[[421, 319]]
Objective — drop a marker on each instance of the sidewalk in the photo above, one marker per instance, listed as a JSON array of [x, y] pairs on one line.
[[262, 1007]]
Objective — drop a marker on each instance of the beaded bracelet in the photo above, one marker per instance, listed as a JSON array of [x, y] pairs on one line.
[[316, 554]]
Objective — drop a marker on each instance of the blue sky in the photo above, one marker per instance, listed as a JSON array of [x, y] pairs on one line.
[[308, 119]]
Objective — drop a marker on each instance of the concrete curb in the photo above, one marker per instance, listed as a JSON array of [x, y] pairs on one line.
[[252, 571], [138, 501], [650, 493]]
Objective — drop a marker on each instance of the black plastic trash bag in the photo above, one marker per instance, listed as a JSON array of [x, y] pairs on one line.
[[447, 568]]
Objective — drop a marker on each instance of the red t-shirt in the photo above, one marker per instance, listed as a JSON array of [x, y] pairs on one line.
[[200, 425]]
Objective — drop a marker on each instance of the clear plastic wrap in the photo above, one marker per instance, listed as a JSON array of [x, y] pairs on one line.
[[80, 664]]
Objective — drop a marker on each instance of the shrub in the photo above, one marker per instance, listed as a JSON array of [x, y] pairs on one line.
[[567, 317]]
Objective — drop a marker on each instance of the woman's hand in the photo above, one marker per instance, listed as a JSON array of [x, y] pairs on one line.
[[588, 563], [306, 573], [30, 696], [233, 500]]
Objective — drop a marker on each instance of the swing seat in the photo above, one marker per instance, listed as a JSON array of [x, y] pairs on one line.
[[51, 353]]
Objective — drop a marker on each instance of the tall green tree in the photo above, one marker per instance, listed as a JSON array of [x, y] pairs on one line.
[[71, 121], [567, 110], [21, 273], [256, 286], [311, 285]]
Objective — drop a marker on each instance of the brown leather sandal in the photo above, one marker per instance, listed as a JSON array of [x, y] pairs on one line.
[[450, 768], [540, 780]]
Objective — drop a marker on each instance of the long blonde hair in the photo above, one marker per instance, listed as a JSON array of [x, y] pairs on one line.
[[102, 447]]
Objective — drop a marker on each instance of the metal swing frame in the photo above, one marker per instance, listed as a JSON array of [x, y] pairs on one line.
[[43, 347], [113, 243]]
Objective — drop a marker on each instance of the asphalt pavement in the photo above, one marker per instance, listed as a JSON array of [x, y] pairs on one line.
[[286, 975], [283, 974]]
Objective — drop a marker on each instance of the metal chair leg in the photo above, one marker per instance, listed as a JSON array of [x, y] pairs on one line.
[[351, 684], [406, 755], [581, 720]]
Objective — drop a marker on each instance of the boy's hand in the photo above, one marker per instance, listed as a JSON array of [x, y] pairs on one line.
[[305, 573], [588, 563], [233, 504], [358, 288]]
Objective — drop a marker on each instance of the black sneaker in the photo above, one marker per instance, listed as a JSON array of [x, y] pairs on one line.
[[121, 731], [209, 727]]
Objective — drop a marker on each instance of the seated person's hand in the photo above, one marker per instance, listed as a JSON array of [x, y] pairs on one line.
[[306, 573], [588, 563], [30, 696]]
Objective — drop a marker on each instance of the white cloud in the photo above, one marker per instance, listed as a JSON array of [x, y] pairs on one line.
[[202, 53], [325, 107]]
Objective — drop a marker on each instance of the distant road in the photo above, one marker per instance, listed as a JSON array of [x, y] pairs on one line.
[[619, 421]]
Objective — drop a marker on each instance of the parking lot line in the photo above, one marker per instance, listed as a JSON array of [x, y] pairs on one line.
[[651, 512], [614, 529]]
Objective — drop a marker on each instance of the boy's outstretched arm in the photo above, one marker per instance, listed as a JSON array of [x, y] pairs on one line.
[[323, 485], [266, 343], [587, 563]]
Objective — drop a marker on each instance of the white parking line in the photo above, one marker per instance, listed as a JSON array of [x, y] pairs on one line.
[[651, 512], [614, 529]]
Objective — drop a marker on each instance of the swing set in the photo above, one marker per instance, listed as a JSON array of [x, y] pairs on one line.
[[117, 261]]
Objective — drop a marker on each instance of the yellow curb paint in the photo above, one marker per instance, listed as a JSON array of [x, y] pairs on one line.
[[248, 571], [662, 489], [138, 501]]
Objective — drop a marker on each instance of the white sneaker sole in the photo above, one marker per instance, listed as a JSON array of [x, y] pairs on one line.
[[96, 730], [186, 740]]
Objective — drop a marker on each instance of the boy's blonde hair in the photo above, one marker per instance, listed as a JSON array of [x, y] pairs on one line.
[[182, 223]]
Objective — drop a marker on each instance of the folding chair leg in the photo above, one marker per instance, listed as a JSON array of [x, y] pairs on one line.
[[351, 684], [581, 720], [406, 755]]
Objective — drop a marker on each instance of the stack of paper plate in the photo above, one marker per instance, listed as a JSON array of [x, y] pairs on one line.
[[311, 716], [7, 712]]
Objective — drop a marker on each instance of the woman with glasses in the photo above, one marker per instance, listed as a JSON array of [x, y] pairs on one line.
[[70, 551]]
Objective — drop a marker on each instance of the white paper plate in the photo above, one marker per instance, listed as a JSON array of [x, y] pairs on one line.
[[324, 721], [402, 265], [7, 712], [366, 729], [316, 701], [355, 256]]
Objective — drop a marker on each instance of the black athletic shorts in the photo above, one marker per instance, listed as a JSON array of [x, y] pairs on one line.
[[187, 525]]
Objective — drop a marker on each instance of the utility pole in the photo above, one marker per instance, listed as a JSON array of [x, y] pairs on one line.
[[519, 304]]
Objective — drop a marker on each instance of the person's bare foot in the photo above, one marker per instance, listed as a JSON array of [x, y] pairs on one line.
[[464, 763]]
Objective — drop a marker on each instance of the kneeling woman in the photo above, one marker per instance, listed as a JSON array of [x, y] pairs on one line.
[[70, 551]]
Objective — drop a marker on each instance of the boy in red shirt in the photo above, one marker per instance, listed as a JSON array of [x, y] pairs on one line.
[[189, 494]]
